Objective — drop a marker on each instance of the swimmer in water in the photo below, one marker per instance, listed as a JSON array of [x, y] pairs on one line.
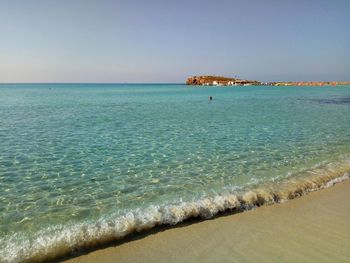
[[210, 98]]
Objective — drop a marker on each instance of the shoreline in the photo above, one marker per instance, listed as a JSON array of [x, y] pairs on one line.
[[311, 228], [80, 239]]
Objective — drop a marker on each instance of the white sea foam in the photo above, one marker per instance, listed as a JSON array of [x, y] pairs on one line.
[[59, 240]]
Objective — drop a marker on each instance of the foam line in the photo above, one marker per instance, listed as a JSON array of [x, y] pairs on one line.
[[59, 240]]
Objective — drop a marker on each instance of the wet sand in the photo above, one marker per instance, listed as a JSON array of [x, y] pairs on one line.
[[312, 228]]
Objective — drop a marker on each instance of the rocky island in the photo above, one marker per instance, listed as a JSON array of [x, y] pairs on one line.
[[219, 81]]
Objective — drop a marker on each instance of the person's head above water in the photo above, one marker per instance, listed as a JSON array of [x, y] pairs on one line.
[[210, 98]]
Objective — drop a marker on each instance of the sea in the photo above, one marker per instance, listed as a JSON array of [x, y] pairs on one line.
[[85, 164]]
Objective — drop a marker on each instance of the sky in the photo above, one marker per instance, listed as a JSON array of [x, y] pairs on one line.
[[168, 41]]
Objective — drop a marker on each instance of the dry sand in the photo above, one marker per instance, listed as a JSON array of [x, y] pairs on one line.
[[313, 228]]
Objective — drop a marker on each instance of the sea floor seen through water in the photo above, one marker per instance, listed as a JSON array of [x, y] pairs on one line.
[[81, 164]]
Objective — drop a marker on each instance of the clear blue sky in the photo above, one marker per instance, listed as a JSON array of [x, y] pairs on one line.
[[167, 41]]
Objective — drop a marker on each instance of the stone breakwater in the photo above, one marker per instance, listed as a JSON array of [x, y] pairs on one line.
[[309, 83]]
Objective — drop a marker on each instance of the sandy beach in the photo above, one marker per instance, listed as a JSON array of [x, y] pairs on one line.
[[313, 228], [174, 131]]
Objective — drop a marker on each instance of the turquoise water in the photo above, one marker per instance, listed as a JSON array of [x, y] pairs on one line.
[[83, 162]]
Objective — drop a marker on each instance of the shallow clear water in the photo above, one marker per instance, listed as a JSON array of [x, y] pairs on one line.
[[73, 154]]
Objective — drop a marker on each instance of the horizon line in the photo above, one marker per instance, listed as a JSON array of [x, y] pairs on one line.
[[175, 83]]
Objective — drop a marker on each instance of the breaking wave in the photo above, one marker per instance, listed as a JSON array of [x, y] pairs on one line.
[[60, 240]]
